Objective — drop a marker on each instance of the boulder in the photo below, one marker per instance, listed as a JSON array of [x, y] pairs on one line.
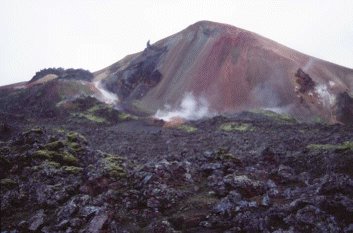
[[37, 221], [97, 223]]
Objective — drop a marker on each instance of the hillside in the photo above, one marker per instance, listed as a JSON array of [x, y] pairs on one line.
[[213, 129], [231, 70]]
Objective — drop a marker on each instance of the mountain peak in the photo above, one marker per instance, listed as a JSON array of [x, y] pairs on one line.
[[229, 68], [212, 25], [214, 28]]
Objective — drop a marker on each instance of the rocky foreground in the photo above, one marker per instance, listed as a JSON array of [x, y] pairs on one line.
[[244, 173]]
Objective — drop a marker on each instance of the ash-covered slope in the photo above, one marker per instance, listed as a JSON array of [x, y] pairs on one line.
[[232, 70]]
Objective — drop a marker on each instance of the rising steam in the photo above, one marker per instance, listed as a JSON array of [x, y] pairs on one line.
[[308, 64], [191, 108], [326, 98], [106, 96]]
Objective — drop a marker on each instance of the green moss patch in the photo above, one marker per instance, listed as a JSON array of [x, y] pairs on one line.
[[344, 146], [97, 107], [90, 110], [112, 166], [8, 183], [94, 118], [90, 117], [235, 126], [187, 128], [34, 130], [66, 158], [43, 154], [75, 137], [56, 145], [96, 112], [282, 117], [75, 146], [61, 151], [72, 169], [126, 116], [60, 130], [51, 164], [61, 157]]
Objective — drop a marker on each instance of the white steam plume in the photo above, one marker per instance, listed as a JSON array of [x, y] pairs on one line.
[[326, 97], [308, 64], [106, 96], [191, 108]]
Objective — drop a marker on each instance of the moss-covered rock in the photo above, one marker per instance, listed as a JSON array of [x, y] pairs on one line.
[[52, 164], [227, 157], [76, 137], [61, 157], [112, 166], [60, 130], [280, 117], [34, 130], [89, 110], [8, 183], [92, 117], [43, 154], [235, 126], [76, 147], [72, 169], [342, 147], [56, 145], [126, 116], [65, 158], [187, 128], [96, 108]]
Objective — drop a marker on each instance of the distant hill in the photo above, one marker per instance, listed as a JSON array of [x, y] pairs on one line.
[[233, 70]]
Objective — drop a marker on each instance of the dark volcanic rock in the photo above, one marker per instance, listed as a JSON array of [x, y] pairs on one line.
[[304, 80], [37, 221], [344, 108], [75, 74], [139, 77], [70, 163], [244, 185], [97, 223], [269, 179]]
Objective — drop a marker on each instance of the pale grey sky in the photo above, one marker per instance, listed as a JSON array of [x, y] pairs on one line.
[[93, 34]]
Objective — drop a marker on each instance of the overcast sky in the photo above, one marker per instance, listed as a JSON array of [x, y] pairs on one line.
[[93, 34]]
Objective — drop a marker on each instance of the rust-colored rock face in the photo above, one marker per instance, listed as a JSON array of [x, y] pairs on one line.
[[232, 69]]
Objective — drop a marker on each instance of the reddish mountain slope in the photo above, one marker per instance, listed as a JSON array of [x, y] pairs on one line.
[[232, 69]]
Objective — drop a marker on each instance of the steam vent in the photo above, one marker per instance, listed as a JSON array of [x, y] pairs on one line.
[[233, 70], [214, 129]]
